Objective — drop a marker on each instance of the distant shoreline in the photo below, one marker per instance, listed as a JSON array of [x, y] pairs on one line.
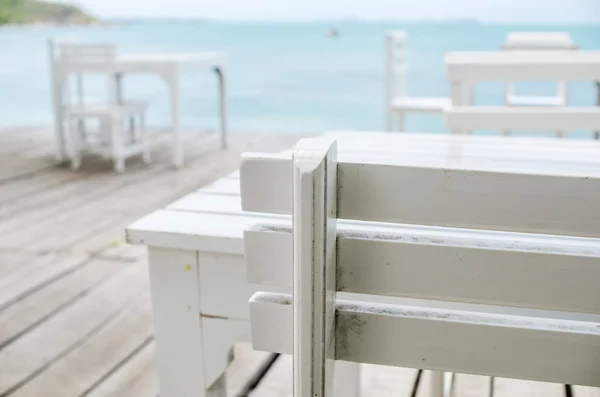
[[40, 13], [333, 22]]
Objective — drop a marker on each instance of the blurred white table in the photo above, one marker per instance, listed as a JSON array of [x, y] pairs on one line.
[[167, 65]]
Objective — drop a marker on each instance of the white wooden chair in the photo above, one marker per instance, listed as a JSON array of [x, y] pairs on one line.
[[538, 41], [113, 138], [397, 101], [536, 263]]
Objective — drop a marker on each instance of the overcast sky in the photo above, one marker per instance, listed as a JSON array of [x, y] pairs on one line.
[[485, 10]]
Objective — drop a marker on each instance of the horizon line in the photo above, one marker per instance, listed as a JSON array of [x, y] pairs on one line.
[[348, 19]]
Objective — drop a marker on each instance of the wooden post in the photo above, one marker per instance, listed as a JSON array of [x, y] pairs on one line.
[[314, 230], [597, 133], [222, 76], [174, 282]]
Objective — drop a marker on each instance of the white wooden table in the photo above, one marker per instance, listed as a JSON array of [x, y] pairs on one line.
[[166, 65], [196, 246]]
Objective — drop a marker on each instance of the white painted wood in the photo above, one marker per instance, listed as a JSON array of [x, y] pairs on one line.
[[465, 69], [396, 264], [501, 345], [110, 112], [507, 343], [523, 65], [182, 364], [504, 387], [434, 383], [347, 380], [165, 65], [219, 335], [455, 197], [222, 187], [531, 119], [464, 385], [538, 41], [583, 391], [314, 224], [113, 141], [398, 103]]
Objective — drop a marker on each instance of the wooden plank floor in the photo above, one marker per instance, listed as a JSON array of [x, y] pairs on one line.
[[75, 317]]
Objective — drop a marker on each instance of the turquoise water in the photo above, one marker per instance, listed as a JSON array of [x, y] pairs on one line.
[[282, 76]]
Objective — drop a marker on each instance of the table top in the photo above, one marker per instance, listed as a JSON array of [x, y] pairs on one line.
[[129, 62], [172, 57], [211, 218]]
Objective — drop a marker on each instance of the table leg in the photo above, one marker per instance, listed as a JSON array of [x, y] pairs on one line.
[[181, 354], [57, 99], [176, 119], [597, 133], [220, 71]]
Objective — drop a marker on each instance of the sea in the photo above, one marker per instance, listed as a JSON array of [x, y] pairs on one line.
[[285, 77]]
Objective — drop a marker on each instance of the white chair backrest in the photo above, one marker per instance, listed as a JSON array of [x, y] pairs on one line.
[[539, 41], [86, 52], [544, 41], [71, 51], [395, 65], [319, 259], [462, 119]]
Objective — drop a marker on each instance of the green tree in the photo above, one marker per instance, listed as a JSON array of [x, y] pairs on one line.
[[11, 10]]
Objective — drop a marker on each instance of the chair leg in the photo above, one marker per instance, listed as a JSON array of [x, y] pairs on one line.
[[120, 165], [401, 121], [117, 137], [389, 119], [145, 143], [74, 143]]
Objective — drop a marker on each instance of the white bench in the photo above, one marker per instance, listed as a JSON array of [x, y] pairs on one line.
[[534, 254], [206, 231]]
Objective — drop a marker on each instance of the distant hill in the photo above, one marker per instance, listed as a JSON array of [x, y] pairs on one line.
[[42, 12]]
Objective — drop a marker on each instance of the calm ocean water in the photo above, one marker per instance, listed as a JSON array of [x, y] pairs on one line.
[[282, 76]]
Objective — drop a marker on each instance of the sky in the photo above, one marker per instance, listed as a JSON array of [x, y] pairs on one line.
[[526, 11]]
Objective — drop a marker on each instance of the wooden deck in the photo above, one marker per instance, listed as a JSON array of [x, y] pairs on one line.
[[75, 317]]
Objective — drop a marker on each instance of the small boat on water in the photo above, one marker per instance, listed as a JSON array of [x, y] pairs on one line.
[[333, 32]]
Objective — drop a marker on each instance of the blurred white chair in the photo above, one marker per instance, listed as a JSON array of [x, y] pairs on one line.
[[112, 139], [538, 41], [397, 101]]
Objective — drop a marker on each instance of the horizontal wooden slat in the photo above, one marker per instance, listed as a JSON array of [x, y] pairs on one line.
[[504, 273], [371, 191], [530, 119], [523, 65], [446, 340]]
